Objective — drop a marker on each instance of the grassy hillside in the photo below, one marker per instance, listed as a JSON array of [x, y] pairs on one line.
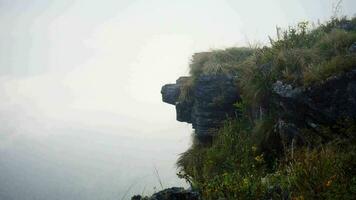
[[247, 158]]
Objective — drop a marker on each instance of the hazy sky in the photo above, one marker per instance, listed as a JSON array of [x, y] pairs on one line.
[[60, 57], [84, 67]]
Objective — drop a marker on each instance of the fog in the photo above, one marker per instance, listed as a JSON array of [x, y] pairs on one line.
[[80, 109]]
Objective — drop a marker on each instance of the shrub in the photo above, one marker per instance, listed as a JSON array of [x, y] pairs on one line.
[[229, 167], [335, 43]]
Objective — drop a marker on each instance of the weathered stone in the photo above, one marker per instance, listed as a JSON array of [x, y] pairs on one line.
[[174, 193], [184, 111], [138, 197], [211, 102], [352, 48], [321, 104], [285, 90], [171, 93], [214, 96]]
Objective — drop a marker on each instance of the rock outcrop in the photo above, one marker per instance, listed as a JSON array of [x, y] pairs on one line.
[[209, 103], [323, 104], [212, 98], [174, 193]]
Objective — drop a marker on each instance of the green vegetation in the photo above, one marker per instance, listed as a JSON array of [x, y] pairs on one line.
[[218, 61], [299, 55], [247, 159]]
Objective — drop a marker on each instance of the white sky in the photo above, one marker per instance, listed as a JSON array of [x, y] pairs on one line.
[[98, 66], [58, 57]]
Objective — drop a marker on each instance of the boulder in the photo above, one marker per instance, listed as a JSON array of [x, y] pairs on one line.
[[174, 193]]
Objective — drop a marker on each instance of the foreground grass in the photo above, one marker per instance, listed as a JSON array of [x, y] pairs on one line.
[[236, 167]]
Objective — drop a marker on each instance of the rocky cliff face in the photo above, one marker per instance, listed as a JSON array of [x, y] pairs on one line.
[[321, 105], [212, 98], [280, 116], [324, 103], [210, 101]]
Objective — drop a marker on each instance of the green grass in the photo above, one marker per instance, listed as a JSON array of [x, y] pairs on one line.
[[236, 166], [218, 61], [300, 56], [291, 56]]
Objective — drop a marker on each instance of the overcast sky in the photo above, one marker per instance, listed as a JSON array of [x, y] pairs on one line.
[[83, 67], [61, 56]]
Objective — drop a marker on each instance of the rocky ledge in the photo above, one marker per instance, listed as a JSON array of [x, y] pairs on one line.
[[209, 103]]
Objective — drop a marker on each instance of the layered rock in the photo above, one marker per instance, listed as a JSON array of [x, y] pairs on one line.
[[323, 104], [210, 101], [212, 98]]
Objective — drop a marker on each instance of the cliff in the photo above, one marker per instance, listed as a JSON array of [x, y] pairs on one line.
[[213, 97], [277, 122], [210, 103]]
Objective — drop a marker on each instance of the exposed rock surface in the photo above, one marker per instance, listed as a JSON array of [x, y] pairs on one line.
[[209, 104], [352, 48], [321, 104], [174, 193], [172, 91], [213, 96], [347, 26]]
